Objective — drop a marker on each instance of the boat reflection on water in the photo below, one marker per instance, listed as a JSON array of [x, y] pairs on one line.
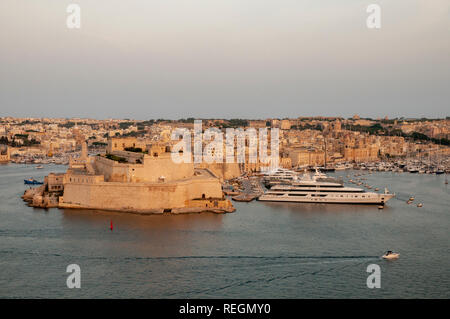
[[130, 221], [143, 235], [319, 209]]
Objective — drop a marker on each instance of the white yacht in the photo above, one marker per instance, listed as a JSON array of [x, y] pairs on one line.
[[319, 189]]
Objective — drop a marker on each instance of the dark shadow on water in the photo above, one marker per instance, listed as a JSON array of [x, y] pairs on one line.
[[142, 222], [326, 208]]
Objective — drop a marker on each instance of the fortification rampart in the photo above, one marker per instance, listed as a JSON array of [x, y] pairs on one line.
[[138, 196]]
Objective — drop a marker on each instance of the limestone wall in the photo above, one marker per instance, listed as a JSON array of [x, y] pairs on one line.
[[139, 196], [120, 143], [4, 158], [163, 165], [151, 170], [223, 171], [112, 170], [5, 155]]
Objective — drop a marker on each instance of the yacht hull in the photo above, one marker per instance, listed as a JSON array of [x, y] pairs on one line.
[[375, 200]]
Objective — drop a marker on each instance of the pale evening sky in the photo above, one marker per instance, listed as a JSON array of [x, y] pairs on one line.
[[147, 59]]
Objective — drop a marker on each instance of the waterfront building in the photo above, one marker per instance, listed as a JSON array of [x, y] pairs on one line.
[[134, 182], [5, 156]]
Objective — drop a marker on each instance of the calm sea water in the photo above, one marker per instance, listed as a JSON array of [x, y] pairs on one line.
[[262, 250]]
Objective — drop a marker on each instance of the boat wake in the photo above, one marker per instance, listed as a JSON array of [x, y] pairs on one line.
[[194, 257]]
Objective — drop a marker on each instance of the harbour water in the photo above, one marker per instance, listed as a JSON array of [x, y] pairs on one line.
[[263, 250]]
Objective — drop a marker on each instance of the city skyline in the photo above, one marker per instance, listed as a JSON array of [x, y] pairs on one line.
[[190, 119]]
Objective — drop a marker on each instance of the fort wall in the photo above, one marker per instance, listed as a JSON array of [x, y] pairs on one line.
[[223, 171], [138, 196], [153, 170]]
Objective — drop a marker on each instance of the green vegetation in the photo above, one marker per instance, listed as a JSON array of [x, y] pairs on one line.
[[28, 142], [133, 149], [21, 136], [99, 144], [307, 126], [125, 125], [134, 133], [235, 123], [148, 123], [67, 125], [188, 120], [422, 137], [4, 140], [28, 122], [116, 158], [377, 129]]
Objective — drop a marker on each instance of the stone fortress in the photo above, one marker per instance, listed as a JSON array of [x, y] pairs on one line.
[[134, 177]]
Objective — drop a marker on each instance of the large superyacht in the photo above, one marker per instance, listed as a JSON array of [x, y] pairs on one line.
[[317, 189]]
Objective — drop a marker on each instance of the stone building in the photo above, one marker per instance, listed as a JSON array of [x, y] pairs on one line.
[[55, 182], [285, 124], [306, 157], [5, 155], [139, 182], [121, 143]]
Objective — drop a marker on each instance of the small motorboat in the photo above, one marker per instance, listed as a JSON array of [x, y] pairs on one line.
[[419, 205], [32, 181], [39, 167], [411, 198], [390, 255], [377, 189]]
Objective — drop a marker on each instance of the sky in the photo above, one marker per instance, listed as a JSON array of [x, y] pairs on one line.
[[256, 59]]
